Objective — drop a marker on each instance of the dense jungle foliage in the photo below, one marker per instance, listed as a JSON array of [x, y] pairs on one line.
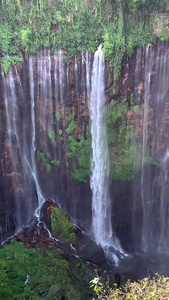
[[74, 25], [43, 268]]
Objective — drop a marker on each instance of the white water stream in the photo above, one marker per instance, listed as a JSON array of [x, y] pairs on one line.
[[101, 203]]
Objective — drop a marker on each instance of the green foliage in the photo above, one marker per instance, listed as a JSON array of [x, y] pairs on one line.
[[164, 36], [125, 152], [120, 25], [55, 162], [81, 150], [81, 174], [52, 135], [155, 288], [25, 39], [70, 117], [114, 44], [7, 61], [47, 161], [62, 228], [60, 132], [5, 38], [58, 116], [71, 127], [132, 99], [42, 156], [140, 35], [135, 108], [45, 267], [117, 111], [48, 168]]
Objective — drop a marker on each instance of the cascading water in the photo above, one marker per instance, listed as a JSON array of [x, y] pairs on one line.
[[12, 132], [146, 193], [18, 143], [154, 176], [32, 163], [88, 75], [101, 205], [36, 128]]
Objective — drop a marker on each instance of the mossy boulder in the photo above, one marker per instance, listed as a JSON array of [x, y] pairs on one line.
[[61, 227]]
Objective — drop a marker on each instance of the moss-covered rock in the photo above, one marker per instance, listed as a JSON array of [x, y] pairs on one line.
[[125, 143], [124, 151], [61, 227]]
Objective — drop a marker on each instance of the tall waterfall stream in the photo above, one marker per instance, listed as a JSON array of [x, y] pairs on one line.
[[101, 204]]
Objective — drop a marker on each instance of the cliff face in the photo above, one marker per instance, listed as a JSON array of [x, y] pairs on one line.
[[46, 143]]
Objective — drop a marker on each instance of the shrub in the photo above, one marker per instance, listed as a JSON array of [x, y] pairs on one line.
[[155, 288]]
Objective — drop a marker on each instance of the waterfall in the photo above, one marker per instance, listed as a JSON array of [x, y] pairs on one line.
[[154, 181], [18, 145], [101, 204], [11, 107], [32, 162], [146, 193], [88, 75]]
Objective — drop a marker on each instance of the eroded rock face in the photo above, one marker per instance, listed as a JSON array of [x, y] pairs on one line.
[[60, 96]]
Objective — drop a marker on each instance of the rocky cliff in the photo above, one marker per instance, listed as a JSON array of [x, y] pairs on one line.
[[44, 121]]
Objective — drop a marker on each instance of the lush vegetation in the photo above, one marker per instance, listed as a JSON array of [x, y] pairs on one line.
[[80, 150], [7, 61], [46, 267], [125, 150], [78, 158], [61, 227], [74, 25], [147, 289], [46, 159]]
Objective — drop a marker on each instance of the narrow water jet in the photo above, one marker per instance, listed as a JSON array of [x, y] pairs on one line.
[[32, 163]]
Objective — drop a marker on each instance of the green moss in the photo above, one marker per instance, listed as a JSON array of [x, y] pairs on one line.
[[48, 168], [71, 127], [125, 154], [81, 150], [58, 116], [60, 132], [132, 99], [125, 151], [135, 108], [70, 116], [117, 111], [42, 156], [164, 36], [46, 159], [81, 174], [62, 228], [55, 162], [52, 135]]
